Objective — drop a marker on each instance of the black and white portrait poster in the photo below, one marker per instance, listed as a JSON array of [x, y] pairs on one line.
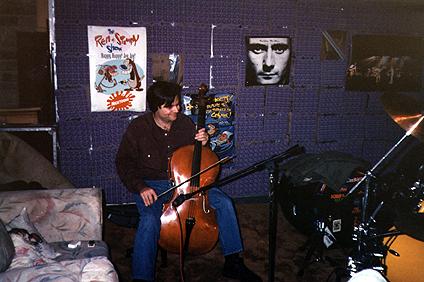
[[381, 63], [268, 60]]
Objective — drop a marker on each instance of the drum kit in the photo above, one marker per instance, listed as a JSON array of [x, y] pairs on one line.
[[394, 248]]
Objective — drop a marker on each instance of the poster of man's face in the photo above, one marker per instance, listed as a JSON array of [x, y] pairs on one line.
[[268, 60], [380, 63]]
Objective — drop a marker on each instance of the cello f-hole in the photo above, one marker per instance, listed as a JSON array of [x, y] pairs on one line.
[[205, 209]]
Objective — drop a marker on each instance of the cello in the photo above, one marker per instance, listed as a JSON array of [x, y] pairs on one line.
[[191, 227]]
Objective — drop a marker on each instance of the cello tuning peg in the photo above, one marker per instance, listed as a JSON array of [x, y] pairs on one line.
[[203, 87]]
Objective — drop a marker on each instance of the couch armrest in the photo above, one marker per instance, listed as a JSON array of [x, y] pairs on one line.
[[58, 214]]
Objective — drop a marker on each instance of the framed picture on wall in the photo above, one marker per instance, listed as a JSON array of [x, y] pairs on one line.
[[333, 45], [267, 60], [380, 63], [168, 67]]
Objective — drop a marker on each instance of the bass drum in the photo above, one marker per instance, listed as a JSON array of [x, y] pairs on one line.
[[408, 266], [305, 205]]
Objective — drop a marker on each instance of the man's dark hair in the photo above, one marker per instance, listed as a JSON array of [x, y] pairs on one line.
[[162, 93]]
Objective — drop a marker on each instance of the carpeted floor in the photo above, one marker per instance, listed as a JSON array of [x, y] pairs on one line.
[[253, 220]]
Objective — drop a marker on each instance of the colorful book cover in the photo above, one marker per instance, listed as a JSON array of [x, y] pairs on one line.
[[219, 121]]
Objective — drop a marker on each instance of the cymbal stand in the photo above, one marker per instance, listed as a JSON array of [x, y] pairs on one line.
[[369, 252], [370, 172]]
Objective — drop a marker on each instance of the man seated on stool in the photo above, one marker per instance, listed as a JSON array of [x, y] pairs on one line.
[[142, 163]]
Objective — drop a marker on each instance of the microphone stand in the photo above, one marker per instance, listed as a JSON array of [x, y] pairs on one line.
[[273, 171], [271, 164], [295, 150]]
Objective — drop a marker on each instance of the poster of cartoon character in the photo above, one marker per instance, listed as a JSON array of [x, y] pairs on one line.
[[219, 121], [117, 58]]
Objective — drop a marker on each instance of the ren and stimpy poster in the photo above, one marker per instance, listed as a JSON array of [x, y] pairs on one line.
[[117, 58]]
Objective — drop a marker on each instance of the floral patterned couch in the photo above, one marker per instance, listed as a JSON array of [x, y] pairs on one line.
[[56, 235]]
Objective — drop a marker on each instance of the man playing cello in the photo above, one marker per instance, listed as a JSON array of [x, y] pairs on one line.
[[142, 165]]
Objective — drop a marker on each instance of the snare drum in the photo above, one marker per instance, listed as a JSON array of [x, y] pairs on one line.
[[409, 265]]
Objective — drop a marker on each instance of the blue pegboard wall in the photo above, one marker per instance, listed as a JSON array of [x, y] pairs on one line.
[[328, 128], [314, 110], [330, 100], [278, 100], [74, 71], [331, 74], [353, 104], [226, 42], [225, 71], [71, 29], [166, 38], [76, 165], [73, 102]]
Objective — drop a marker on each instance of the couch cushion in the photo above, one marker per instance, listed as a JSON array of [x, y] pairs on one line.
[[81, 270], [58, 214], [27, 253], [98, 269], [7, 250], [23, 222]]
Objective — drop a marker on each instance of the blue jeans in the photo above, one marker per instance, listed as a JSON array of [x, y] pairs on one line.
[[148, 230]]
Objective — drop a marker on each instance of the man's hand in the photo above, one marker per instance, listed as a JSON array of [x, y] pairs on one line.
[[202, 136], [148, 195]]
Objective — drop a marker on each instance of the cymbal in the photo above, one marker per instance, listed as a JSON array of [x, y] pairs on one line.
[[408, 221], [406, 111]]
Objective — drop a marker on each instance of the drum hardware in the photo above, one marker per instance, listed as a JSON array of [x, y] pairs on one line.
[[405, 246], [409, 221], [369, 252], [409, 210], [417, 191], [320, 239], [313, 188], [321, 213]]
